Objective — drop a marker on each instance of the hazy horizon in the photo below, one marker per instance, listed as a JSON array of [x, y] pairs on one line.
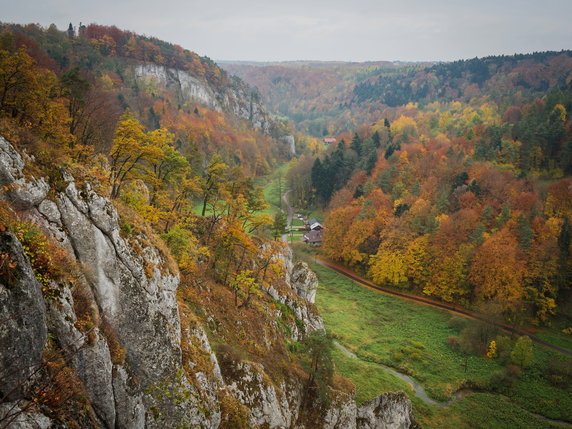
[[333, 31]]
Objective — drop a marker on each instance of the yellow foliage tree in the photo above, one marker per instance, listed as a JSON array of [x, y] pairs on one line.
[[135, 152], [388, 265], [497, 272], [30, 96]]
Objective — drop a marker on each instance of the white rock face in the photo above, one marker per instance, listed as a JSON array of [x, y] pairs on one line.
[[189, 88], [391, 410], [239, 100], [134, 291], [141, 308], [302, 283], [24, 417], [304, 280], [290, 143], [268, 407], [341, 415]]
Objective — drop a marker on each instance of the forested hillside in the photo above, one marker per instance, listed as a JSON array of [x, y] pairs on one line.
[[329, 98], [97, 74], [466, 202]]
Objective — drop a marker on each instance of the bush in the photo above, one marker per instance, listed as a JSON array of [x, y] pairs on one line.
[[117, 352], [505, 378], [49, 261], [457, 323], [504, 347], [453, 342], [559, 371]]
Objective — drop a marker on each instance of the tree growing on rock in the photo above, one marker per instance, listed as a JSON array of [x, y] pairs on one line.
[[320, 367]]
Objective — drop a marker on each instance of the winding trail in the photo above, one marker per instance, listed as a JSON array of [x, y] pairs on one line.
[[436, 304], [418, 390]]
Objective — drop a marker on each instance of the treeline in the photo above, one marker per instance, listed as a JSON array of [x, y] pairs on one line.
[[329, 99], [500, 77], [466, 204]]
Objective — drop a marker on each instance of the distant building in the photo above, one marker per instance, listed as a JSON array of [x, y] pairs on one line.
[[313, 238], [316, 226], [329, 141]]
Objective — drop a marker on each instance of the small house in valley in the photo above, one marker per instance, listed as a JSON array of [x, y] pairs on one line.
[[314, 225], [313, 238]]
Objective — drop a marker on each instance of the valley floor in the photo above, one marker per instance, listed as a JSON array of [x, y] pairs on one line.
[[411, 339]]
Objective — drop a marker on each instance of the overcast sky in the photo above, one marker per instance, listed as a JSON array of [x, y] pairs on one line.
[[346, 30]]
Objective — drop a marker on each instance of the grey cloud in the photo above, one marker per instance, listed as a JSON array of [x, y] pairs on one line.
[[356, 30]]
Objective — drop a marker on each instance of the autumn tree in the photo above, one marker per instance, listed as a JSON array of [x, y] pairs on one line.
[[214, 175], [245, 287], [319, 346], [498, 272], [135, 152], [30, 96], [279, 225]]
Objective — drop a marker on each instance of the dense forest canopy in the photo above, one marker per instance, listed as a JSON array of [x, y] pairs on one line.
[[464, 200]]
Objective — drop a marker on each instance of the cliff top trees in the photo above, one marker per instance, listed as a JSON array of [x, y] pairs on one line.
[[135, 152], [30, 97]]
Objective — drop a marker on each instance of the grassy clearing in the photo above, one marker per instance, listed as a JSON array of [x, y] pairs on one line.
[[556, 337], [482, 410], [405, 335], [274, 185], [412, 338], [369, 379]]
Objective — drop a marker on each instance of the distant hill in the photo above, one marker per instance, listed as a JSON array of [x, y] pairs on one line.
[[325, 98]]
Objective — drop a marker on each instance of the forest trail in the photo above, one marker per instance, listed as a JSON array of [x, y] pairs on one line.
[[436, 304]]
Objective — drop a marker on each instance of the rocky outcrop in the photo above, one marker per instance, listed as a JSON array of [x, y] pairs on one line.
[[268, 407], [115, 322], [22, 415], [298, 295], [304, 281], [134, 344], [23, 330], [186, 86], [238, 99], [390, 410], [290, 144]]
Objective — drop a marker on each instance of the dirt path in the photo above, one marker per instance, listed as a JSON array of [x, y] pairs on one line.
[[436, 304]]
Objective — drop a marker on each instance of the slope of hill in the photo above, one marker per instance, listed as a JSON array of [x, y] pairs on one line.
[[106, 70]]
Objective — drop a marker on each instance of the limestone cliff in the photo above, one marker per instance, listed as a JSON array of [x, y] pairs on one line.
[[238, 99], [105, 344]]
